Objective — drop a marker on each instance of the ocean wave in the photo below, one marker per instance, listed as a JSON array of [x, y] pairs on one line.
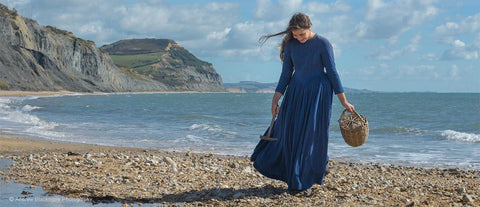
[[17, 116], [43, 131], [25, 118], [195, 139], [206, 127], [399, 130], [461, 136], [4, 105], [213, 132], [30, 108], [210, 128]]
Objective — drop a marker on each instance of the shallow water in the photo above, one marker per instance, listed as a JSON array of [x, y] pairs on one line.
[[11, 194]]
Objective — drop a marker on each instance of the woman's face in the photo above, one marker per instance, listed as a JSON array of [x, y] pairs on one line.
[[302, 35]]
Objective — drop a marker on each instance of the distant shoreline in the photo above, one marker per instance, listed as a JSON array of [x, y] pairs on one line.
[[52, 93], [34, 93]]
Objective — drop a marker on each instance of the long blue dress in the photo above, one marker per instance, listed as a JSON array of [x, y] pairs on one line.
[[309, 78]]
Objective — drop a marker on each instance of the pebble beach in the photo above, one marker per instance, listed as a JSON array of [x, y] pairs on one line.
[[132, 176]]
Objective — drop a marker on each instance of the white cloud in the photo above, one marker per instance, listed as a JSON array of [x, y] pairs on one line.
[[447, 32], [384, 20], [458, 44], [387, 52], [268, 10], [91, 28], [372, 8], [429, 57], [290, 5], [382, 72], [476, 41], [316, 7], [16, 3], [219, 36], [460, 50], [377, 72], [418, 71], [451, 32], [454, 73], [262, 9]]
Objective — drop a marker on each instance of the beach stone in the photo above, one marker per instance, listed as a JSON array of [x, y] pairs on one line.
[[411, 204], [467, 198], [26, 192], [151, 161], [234, 165], [361, 197], [248, 170], [172, 164]]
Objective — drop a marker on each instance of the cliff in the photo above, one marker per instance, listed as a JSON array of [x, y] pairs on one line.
[[165, 61], [35, 57]]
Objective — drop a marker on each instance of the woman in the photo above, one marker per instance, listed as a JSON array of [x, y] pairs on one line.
[[299, 156]]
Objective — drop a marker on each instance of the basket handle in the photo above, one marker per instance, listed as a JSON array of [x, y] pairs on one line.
[[354, 112]]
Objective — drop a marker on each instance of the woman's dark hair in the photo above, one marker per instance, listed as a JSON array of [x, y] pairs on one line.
[[298, 21]]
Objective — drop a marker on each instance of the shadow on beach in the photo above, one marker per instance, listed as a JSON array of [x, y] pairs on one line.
[[218, 194]]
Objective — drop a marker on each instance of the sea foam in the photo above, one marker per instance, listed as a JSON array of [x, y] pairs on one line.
[[19, 118], [30, 108], [461, 136], [206, 127]]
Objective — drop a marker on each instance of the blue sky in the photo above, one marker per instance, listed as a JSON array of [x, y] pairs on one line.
[[397, 45]]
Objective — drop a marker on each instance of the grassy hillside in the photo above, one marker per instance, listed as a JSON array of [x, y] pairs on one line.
[[137, 61], [162, 60], [137, 46]]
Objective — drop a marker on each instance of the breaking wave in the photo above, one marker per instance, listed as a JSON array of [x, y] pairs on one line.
[[461, 136]]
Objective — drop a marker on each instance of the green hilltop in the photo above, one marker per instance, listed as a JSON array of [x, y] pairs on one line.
[[162, 60]]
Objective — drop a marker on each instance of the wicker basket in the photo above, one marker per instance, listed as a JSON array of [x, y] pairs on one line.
[[354, 128]]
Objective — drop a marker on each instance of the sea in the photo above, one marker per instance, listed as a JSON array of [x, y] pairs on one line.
[[432, 130]]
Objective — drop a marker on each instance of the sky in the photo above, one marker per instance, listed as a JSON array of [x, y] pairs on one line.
[[380, 45]]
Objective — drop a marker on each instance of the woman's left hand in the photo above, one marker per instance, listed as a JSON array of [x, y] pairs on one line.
[[343, 99], [350, 108]]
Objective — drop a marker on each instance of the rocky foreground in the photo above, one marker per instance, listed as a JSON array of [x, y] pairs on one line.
[[189, 179]]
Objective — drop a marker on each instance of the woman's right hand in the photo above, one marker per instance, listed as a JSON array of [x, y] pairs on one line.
[[275, 108]]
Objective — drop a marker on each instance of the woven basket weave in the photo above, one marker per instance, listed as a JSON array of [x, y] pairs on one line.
[[354, 128]]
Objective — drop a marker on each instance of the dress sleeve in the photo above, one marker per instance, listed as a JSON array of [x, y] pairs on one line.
[[329, 62], [287, 70]]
